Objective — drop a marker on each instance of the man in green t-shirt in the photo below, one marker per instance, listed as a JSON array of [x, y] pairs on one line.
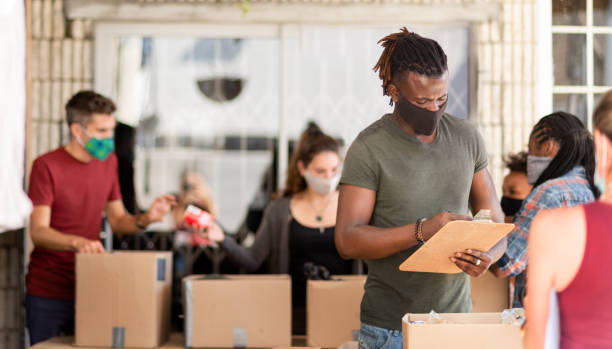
[[405, 177]]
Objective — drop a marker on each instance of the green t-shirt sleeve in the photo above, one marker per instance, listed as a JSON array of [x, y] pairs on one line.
[[480, 153], [359, 167]]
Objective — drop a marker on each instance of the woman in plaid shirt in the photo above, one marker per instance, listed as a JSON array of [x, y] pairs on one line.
[[560, 166]]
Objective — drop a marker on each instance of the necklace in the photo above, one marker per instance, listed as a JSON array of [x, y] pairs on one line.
[[319, 213]]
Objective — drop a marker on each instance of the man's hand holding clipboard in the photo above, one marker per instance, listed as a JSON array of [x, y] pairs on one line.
[[441, 253]]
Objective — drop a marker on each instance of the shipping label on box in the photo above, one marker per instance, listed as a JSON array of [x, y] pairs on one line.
[[123, 299], [333, 310], [484, 330], [242, 311]]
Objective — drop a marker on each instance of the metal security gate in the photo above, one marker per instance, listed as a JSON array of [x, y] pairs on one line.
[[11, 290]]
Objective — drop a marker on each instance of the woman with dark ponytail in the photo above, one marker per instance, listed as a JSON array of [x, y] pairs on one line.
[[296, 235], [561, 167], [569, 256]]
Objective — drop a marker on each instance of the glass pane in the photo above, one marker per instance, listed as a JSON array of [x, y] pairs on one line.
[[569, 12], [204, 105], [596, 99], [572, 103], [569, 52], [602, 13], [330, 84], [602, 54]]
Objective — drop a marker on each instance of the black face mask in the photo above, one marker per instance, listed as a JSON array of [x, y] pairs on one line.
[[510, 206], [423, 122]]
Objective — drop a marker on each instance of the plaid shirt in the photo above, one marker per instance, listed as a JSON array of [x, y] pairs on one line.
[[571, 189]]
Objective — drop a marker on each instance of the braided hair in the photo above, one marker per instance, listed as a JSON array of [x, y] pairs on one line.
[[576, 147], [408, 51]]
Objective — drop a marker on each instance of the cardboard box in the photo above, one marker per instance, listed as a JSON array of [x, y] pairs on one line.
[[123, 299], [332, 310], [230, 311], [483, 330], [490, 294], [175, 342]]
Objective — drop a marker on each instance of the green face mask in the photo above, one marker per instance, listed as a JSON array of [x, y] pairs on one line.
[[99, 148]]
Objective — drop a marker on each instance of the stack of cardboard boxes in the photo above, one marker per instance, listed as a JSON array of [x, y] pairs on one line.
[[123, 301]]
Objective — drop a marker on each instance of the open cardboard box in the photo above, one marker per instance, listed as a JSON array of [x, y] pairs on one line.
[[333, 309], [249, 311], [484, 330]]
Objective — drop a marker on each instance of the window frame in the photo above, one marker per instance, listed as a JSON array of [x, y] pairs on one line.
[[106, 57], [590, 30]]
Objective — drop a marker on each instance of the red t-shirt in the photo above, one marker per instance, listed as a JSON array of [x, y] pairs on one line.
[[77, 193]]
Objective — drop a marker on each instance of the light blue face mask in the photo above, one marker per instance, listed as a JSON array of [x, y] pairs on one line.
[[600, 182], [99, 148], [535, 166]]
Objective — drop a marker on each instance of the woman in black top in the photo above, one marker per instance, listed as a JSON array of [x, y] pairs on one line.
[[298, 227]]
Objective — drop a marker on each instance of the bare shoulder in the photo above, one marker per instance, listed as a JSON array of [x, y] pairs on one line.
[[557, 227], [562, 218]]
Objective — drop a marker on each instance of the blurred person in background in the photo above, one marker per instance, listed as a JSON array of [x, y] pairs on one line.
[[515, 189], [298, 228], [70, 188], [560, 166], [569, 253], [194, 191], [515, 186]]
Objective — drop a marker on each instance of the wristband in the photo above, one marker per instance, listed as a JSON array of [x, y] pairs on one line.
[[418, 231]]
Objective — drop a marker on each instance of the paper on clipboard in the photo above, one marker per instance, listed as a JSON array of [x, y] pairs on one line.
[[456, 236]]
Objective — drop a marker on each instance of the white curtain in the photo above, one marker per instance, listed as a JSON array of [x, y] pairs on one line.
[[15, 206]]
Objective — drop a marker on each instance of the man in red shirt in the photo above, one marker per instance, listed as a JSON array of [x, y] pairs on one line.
[[70, 188]]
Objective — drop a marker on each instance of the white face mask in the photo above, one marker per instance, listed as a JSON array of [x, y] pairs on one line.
[[323, 186], [535, 166]]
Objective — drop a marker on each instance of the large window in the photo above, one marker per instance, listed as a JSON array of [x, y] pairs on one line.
[[582, 54], [227, 101]]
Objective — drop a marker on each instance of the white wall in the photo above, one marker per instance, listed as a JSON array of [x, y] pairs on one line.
[[14, 206]]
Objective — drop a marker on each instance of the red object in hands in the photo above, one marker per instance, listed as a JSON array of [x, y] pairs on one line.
[[197, 218], [199, 240]]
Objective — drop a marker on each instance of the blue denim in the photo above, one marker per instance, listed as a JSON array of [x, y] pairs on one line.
[[47, 318], [372, 337]]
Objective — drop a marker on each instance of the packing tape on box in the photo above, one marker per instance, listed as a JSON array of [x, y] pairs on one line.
[[188, 313], [118, 340], [240, 338], [355, 335], [161, 269]]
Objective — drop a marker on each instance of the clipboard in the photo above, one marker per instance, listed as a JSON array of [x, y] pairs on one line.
[[456, 236]]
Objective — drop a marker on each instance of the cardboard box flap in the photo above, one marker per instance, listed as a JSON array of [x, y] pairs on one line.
[[433, 256], [237, 277], [489, 293], [459, 318]]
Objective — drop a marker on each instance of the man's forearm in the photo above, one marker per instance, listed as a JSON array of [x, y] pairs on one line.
[[52, 239], [368, 242], [498, 250], [128, 224]]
